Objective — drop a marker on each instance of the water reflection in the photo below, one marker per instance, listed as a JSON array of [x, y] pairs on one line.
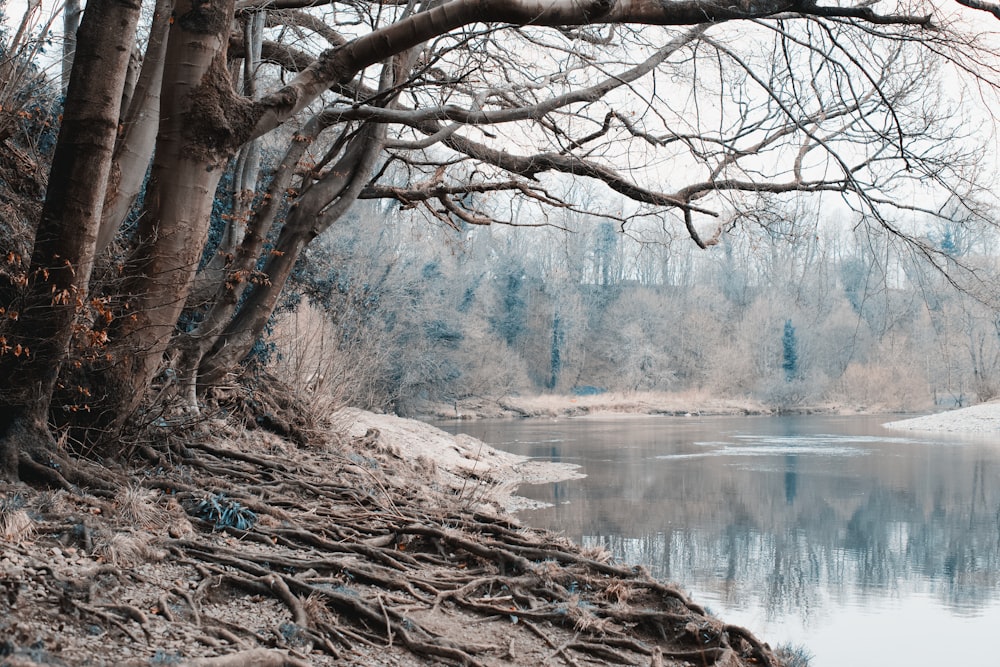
[[797, 517], [791, 477]]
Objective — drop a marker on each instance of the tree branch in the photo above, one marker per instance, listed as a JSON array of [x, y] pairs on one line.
[[341, 64], [991, 7]]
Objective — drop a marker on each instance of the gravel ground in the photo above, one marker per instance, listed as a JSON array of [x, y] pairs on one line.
[[982, 418]]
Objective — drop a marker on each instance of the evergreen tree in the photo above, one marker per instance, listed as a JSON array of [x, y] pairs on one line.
[[790, 353], [558, 336]]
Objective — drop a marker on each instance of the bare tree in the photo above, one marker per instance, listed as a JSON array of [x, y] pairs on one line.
[[686, 111]]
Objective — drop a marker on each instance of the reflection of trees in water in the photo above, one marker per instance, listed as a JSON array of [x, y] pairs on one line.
[[962, 549], [789, 530], [791, 477], [877, 538], [792, 583], [943, 539]]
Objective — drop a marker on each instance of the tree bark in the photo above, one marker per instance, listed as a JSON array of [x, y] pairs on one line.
[[198, 123], [246, 169], [318, 208], [193, 345], [71, 23], [63, 253], [139, 127]]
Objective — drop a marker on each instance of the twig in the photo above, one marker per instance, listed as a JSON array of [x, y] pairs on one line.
[[388, 625], [559, 650]]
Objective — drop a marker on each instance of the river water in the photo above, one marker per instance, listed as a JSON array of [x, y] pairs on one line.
[[868, 547]]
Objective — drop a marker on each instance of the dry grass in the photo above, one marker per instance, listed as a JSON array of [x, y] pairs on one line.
[[317, 609], [673, 403], [124, 549], [15, 523], [136, 506], [321, 368], [53, 502], [584, 620], [598, 553], [619, 593], [891, 387]]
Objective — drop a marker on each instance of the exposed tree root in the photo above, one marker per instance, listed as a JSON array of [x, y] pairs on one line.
[[351, 564], [254, 658], [29, 469]]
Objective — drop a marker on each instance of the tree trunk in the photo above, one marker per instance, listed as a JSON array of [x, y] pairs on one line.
[[63, 253], [71, 23], [193, 345], [131, 78], [318, 208], [246, 174], [202, 122], [138, 137]]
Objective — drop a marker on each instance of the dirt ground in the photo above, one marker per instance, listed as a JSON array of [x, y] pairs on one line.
[[379, 541]]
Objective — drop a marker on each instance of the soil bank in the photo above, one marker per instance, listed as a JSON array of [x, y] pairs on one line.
[[380, 541]]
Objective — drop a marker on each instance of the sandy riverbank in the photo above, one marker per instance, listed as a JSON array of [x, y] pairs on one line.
[[462, 465], [558, 405], [982, 418], [637, 403]]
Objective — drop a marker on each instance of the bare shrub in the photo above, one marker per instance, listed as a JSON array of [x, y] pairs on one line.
[[15, 523], [326, 367], [792, 655], [21, 80], [885, 386]]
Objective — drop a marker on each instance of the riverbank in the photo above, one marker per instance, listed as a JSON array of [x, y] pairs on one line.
[[466, 469], [680, 404], [375, 541], [982, 418]]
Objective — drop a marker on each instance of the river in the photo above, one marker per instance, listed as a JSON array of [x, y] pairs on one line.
[[866, 546]]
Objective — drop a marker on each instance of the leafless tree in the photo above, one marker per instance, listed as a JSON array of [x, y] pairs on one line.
[[689, 111]]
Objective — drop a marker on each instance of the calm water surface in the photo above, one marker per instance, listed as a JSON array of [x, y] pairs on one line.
[[867, 546]]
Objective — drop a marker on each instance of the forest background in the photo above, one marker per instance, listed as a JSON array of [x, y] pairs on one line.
[[805, 312]]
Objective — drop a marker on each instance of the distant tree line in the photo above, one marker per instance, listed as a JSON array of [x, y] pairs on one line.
[[805, 313]]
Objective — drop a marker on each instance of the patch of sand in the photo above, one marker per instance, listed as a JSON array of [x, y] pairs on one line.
[[458, 459], [982, 418]]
